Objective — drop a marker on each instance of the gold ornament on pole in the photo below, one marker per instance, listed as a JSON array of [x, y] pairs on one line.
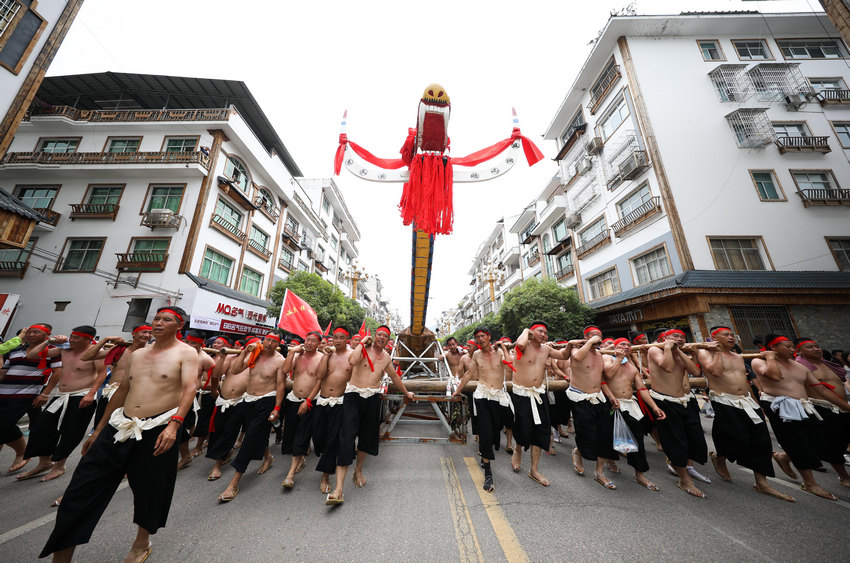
[[491, 274], [355, 273]]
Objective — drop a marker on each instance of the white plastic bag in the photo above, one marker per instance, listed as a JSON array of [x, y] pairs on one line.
[[624, 440]]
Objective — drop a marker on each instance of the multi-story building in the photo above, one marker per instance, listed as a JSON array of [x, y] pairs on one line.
[[703, 173], [158, 190]]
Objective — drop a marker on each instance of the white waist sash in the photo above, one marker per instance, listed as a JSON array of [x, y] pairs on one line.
[[683, 400], [791, 409], [292, 397], [632, 407], [132, 427], [364, 392], [224, 404], [61, 402], [575, 395], [483, 391], [533, 393], [743, 402], [251, 398], [827, 405], [109, 390], [329, 401]]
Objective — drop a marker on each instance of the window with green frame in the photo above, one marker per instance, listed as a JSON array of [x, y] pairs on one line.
[[166, 197], [181, 144], [38, 197], [105, 195], [82, 255], [124, 145], [251, 282], [237, 172], [228, 213], [216, 267]]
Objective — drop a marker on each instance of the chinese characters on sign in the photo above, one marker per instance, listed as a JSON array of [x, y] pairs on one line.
[[247, 314]]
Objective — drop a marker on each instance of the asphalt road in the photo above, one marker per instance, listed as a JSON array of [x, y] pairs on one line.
[[422, 503]]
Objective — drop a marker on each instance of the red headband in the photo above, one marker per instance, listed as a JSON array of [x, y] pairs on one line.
[[173, 312], [800, 343], [82, 334], [621, 340], [777, 340], [472, 343], [608, 340], [194, 339], [342, 330], [504, 339], [538, 325], [274, 336], [141, 328], [673, 331], [638, 337], [226, 341], [42, 328], [252, 340], [382, 329], [588, 329], [720, 329]]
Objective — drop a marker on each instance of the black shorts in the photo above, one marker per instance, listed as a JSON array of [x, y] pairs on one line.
[[11, 411], [327, 422], [797, 438], [48, 438], [297, 429], [490, 424], [255, 417], [361, 420], [526, 432], [637, 460], [224, 430], [740, 440], [681, 433], [594, 426], [832, 435], [202, 428]]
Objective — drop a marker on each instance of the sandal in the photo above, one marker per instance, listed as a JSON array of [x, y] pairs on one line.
[[223, 499], [605, 482], [720, 470], [694, 493], [579, 469], [333, 501], [828, 496], [777, 494], [543, 481], [649, 485]]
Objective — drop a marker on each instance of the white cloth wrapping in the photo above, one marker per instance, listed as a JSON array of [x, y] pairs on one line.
[[61, 402], [632, 407], [225, 404], [683, 400], [109, 390], [827, 405], [791, 409], [533, 393], [364, 392], [132, 427], [329, 401], [292, 397], [483, 391], [251, 398], [575, 396], [743, 402]]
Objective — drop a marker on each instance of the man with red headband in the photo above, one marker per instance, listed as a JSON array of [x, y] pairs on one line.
[[329, 394], [834, 430], [681, 431], [21, 383], [452, 355], [739, 431], [361, 408], [262, 404], [206, 400], [205, 365], [304, 362], [227, 388], [531, 402], [66, 418], [508, 413], [137, 437], [463, 368], [118, 356]]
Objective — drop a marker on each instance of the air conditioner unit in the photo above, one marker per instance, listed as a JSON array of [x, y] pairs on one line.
[[158, 217], [594, 145], [573, 220], [584, 166], [793, 102], [162, 211]]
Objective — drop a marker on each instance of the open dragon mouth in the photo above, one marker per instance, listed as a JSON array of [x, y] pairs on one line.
[[432, 126]]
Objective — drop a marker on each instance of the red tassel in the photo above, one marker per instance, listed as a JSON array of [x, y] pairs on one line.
[[340, 153], [426, 199]]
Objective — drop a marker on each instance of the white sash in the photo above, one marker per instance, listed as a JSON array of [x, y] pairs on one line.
[[224, 404], [632, 407], [745, 403], [329, 401], [364, 392], [533, 393], [683, 400], [61, 402], [132, 427], [575, 395], [251, 398]]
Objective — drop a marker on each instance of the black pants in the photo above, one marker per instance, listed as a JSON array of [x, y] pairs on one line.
[[681, 433], [11, 411], [327, 422], [740, 440], [833, 433], [297, 429], [48, 438], [637, 460], [202, 428], [594, 426], [224, 431], [361, 420], [797, 438], [255, 416], [489, 426], [526, 432]]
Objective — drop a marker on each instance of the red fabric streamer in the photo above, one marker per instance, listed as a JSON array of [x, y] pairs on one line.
[[510, 365], [212, 420], [253, 355], [368, 359], [644, 407], [426, 199], [114, 355], [532, 153]]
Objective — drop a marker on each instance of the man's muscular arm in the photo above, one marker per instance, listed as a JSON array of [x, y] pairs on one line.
[[397, 380], [52, 382], [690, 366], [816, 388], [663, 357], [582, 352], [711, 361], [97, 352], [280, 391], [522, 341], [34, 352], [767, 367], [640, 387], [88, 399]]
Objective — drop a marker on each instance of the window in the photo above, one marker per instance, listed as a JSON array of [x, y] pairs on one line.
[[564, 262], [818, 180], [216, 267], [38, 197], [291, 225], [766, 185], [180, 144], [593, 230], [842, 131], [237, 172], [326, 205], [790, 129], [259, 238], [124, 145], [711, 50], [736, 254], [267, 201], [151, 246], [81, 255], [58, 145], [576, 122], [559, 231], [634, 200], [752, 50], [303, 266], [105, 195], [228, 213], [604, 284], [820, 84], [286, 258], [614, 117], [826, 48], [651, 266], [137, 313], [166, 197], [17, 255], [8, 10], [841, 251], [752, 320], [251, 282]]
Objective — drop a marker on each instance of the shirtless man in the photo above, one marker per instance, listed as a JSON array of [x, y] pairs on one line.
[[464, 366], [333, 375], [65, 420], [560, 411], [137, 436], [507, 412], [835, 429], [623, 380], [304, 362], [262, 400], [205, 366], [118, 357], [453, 356], [531, 403], [206, 400], [739, 431], [361, 414], [227, 389], [592, 419], [681, 431], [490, 397]]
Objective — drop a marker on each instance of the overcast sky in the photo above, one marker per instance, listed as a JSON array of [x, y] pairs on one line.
[[306, 62]]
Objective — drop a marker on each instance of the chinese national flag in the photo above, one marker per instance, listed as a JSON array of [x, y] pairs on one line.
[[296, 316], [363, 330]]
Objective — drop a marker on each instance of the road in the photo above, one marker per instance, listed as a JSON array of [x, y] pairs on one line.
[[423, 502]]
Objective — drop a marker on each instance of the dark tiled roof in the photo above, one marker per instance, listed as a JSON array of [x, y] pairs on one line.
[[18, 207], [734, 280], [228, 292]]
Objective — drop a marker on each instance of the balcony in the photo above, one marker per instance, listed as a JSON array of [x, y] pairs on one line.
[[221, 224], [564, 272], [637, 216], [142, 261], [602, 87], [803, 144], [93, 211], [570, 139], [284, 265], [13, 269], [825, 197], [556, 204], [633, 165], [267, 207], [161, 218], [527, 236], [50, 217], [110, 158], [218, 114], [231, 188], [593, 244], [291, 237], [833, 97], [532, 260], [259, 250]]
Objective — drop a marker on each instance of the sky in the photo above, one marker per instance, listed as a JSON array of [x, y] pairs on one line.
[[307, 62]]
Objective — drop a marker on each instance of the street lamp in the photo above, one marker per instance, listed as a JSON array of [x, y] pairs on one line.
[[491, 274], [355, 273]]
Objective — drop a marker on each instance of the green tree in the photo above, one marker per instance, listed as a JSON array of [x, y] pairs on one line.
[[492, 321], [327, 300], [544, 300]]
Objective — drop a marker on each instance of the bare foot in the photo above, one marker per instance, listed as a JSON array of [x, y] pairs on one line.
[[55, 473], [267, 464], [17, 465], [691, 489], [771, 492], [359, 479], [138, 554], [516, 460], [578, 463], [289, 482], [334, 498], [35, 471], [56, 502], [229, 494], [819, 491], [184, 463], [784, 463], [612, 466], [325, 485], [844, 482], [214, 475], [644, 482], [720, 468]]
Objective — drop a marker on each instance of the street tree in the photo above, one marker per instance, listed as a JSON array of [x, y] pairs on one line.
[[327, 300], [548, 301]]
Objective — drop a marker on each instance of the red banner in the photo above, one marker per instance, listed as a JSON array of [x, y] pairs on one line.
[[296, 316]]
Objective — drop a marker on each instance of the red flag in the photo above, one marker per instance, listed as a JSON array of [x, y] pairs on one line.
[[328, 330], [363, 330], [296, 316]]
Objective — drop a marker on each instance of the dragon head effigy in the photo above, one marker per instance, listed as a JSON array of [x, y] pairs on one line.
[[433, 120]]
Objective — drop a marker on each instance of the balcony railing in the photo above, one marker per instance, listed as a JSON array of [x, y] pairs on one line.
[[597, 241], [227, 226], [637, 216], [142, 261], [285, 265], [154, 219], [834, 96], [259, 249], [564, 271], [803, 144], [89, 158], [93, 211], [50, 217], [267, 206], [218, 114], [292, 234], [13, 269], [836, 196], [532, 260], [602, 87], [570, 139], [526, 235]]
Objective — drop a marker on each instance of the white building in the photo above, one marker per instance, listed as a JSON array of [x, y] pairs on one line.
[[160, 190], [704, 176]]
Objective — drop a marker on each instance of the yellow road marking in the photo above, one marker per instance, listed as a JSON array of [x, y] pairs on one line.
[[467, 541], [504, 532]]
